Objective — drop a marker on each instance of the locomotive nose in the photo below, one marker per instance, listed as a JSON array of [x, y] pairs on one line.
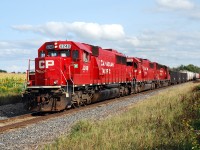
[[48, 71]]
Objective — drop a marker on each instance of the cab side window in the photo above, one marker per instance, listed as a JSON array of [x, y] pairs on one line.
[[75, 54], [135, 65], [85, 56], [129, 63], [42, 54]]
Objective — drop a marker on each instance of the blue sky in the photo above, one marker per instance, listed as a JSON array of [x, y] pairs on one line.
[[166, 31]]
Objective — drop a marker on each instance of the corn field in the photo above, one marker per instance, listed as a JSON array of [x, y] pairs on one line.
[[11, 83]]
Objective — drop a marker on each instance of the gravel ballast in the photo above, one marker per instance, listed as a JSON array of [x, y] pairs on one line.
[[35, 135], [12, 110]]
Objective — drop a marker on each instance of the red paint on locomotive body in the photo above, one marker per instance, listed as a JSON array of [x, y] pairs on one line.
[[134, 66], [162, 72], [60, 61], [72, 73]]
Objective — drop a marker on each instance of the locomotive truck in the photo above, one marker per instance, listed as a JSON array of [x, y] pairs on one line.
[[71, 74]]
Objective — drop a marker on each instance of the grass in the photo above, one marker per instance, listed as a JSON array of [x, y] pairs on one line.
[[11, 86], [169, 120]]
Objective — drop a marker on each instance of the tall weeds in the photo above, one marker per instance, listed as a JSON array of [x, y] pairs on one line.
[[164, 121]]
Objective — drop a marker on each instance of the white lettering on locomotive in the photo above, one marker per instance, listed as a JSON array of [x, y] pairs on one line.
[[106, 63], [65, 46], [106, 71], [85, 68], [45, 64]]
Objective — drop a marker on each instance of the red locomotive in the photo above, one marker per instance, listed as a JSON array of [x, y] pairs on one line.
[[70, 73], [146, 74]]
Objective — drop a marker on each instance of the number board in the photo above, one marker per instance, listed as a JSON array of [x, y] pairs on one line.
[[65, 46], [50, 47]]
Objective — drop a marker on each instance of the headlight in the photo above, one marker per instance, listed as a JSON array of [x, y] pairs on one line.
[[55, 82]]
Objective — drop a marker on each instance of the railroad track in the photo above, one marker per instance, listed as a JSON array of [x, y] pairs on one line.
[[17, 122], [32, 118]]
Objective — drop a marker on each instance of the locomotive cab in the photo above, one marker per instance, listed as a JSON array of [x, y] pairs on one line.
[[135, 67], [61, 63]]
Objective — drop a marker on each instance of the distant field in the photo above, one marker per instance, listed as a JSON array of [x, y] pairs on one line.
[[11, 86], [12, 75]]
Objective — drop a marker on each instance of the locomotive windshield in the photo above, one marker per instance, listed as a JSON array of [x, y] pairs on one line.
[[53, 53], [63, 53]]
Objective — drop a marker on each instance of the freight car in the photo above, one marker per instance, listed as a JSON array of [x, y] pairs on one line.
[[71, 74], [178, 77], [190, 75]]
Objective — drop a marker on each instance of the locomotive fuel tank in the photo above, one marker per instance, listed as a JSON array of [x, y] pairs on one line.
[[105, 94]]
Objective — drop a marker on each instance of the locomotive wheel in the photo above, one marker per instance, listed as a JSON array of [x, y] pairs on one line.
[[75, 105], [89, 101], [78, 104], [126, 91], [135, 90], [118, 95], [139, 89], [152, 86], [122, 93]]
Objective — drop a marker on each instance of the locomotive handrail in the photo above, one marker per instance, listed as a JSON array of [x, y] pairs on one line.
[[29, 66], [65, 80], [71, 79]]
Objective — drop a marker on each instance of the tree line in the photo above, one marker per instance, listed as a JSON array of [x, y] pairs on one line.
[[189, 67], [3, 71]]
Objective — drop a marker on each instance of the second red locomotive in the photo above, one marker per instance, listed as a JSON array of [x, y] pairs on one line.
[[69, 73]]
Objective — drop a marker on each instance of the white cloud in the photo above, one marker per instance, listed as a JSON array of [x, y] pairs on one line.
[[195, 14], [134, 41], [19, 49], [14, 55], [182, 8], [167, 47], [176, 4], [171, 48], [81, 29]]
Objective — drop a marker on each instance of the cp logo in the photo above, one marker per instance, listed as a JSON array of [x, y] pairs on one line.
[[45, 64]]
